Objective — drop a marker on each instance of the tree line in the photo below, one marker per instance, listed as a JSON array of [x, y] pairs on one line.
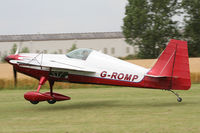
[[150, 24]]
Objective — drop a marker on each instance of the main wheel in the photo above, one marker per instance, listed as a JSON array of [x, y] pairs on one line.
[[51, 101], [179, 99], [34, 102]]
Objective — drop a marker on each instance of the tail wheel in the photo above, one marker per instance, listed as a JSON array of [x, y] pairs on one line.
[[51, 101], [179, 99]]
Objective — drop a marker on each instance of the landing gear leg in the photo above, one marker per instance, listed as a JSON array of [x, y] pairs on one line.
[[42, 81], [179, 99], [51, 83]]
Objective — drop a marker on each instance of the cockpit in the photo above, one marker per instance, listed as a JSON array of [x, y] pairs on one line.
[[81, 53]]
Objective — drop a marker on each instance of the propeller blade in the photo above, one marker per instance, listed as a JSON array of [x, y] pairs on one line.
[[15, 76]]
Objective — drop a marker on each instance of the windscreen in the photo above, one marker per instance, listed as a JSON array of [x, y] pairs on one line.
[[81, 54]]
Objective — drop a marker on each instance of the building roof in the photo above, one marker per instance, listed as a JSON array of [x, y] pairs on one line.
[[61, 36]]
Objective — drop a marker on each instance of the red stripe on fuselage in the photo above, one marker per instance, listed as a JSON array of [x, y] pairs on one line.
[[146, 82]]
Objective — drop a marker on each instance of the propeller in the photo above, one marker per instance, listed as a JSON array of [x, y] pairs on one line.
[[15, 76]]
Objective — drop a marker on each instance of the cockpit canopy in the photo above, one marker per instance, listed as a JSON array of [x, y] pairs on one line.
[[81, 53]]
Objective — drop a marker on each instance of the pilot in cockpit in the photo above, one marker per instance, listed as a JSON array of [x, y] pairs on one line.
[[85, 54]]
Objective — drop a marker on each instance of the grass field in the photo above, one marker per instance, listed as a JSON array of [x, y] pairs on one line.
[[103, 110]]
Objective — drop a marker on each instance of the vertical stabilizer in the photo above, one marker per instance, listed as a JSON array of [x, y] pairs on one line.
[[174, 63]]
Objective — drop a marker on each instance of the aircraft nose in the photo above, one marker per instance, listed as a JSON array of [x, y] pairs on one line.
[[10, 57], [7, 58]]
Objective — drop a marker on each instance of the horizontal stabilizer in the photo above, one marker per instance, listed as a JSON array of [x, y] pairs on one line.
[[157, 76]]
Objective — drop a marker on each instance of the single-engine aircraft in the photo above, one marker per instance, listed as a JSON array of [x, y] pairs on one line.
[[170, 72]]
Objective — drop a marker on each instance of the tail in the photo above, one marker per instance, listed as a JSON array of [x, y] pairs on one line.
[[174, 63]]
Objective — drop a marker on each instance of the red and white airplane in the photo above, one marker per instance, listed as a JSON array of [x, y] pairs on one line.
[[170, 72]]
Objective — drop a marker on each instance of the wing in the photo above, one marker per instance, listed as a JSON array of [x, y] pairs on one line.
[[52, 64]]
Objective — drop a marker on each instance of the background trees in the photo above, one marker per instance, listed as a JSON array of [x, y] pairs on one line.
[[192, 26], [149, 24]]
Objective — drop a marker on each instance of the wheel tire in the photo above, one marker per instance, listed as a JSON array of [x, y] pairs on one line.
[[34, 102], [179, 99], [51, 101]]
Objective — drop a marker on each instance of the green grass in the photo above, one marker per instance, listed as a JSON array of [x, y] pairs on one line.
[[103, 110]]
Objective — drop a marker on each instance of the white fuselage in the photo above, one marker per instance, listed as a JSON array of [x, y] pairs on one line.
[[97, 65]]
